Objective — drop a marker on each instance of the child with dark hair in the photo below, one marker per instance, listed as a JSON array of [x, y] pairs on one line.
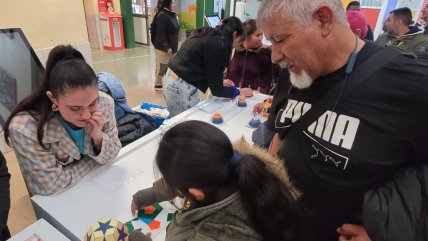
[[65, 128], [232, 192], [200, 64], [251, 65]]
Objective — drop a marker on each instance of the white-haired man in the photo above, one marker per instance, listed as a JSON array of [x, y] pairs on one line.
[[364, 133]]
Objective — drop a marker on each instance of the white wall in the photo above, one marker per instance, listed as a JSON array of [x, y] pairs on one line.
[[47, 23]]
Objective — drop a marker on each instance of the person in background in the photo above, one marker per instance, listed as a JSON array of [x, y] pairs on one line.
[[357, 22], [355, 6], [400, 33], [4, 199], [200, 63], [251, 65], [158, 7], [165, 39], [236, 192], [337, 149], [65, 128], [424, 17]]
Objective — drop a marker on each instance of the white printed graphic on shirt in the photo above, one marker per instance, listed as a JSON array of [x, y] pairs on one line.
[[293, 111], [325, 154], [337, 129]]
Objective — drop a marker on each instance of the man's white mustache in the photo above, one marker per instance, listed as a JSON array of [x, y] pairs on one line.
[[283, 65]]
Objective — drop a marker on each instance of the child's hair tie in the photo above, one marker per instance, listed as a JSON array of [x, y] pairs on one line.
[[236, 158]]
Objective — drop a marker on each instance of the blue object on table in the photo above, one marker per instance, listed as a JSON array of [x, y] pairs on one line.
[[155, 120]]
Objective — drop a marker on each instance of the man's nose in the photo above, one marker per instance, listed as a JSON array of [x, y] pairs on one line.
[[276, 56]]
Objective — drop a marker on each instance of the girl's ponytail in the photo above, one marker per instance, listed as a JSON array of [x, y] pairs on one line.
[[270, 204]]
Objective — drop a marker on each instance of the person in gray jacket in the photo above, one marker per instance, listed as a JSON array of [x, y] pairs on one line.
[[400, 33], [231, 192]]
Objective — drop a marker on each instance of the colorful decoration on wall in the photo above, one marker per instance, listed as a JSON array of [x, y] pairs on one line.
[[188, 15]]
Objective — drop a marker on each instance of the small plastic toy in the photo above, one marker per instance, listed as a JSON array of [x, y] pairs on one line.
[[242, 102], [254, 122], [266, 107], [217, 118], [107, 229]]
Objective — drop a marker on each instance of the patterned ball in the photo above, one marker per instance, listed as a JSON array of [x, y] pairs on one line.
[[107, 229]]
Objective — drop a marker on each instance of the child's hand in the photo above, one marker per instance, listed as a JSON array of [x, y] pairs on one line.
[[351, 232], [275, 145], [228, 83], [94, 126], [134, 207], [247, 92], [138, 235]]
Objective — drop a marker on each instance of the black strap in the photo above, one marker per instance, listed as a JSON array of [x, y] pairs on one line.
[[358, 76]]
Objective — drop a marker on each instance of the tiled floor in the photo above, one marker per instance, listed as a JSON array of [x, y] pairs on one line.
[[135, 67]]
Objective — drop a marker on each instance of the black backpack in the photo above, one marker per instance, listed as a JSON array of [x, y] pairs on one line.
[[153, 29]]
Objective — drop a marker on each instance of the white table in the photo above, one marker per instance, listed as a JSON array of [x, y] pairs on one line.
[[107, 191], [43, 229]]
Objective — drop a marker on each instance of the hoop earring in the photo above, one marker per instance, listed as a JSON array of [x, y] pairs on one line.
[[54, 107]]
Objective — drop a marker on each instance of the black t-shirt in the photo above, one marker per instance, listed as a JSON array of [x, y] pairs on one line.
[[376, 129], [282, 88]]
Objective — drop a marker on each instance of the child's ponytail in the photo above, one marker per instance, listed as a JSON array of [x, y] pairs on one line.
[[270, 204]]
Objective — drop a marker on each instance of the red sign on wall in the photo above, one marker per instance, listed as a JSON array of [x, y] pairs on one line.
[[103, 5]]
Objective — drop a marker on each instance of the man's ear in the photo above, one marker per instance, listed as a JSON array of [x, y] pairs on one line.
[[324, 18], [197, 193], [51, 97]]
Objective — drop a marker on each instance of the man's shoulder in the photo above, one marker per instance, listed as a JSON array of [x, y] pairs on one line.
[[404, 70], [401, 68]]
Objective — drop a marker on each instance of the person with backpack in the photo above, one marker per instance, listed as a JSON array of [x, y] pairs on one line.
[[354, 116], [164, 36]]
